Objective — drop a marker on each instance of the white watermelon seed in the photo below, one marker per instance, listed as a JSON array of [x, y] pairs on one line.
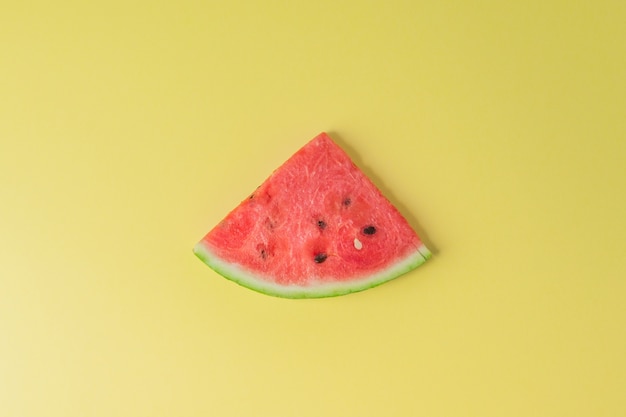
[[357, 244]]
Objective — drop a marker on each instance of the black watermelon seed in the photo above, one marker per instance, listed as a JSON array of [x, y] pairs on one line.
[[369, 230], [320, 257], [263, 252], [321, 224], [346, 201]]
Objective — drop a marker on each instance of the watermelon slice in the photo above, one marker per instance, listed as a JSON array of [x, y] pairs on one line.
[[317, 227]]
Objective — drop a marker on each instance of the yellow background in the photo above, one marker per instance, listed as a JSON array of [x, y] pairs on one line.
[[128, 129]]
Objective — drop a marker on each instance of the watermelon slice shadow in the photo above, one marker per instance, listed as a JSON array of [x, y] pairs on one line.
[[387, 192]]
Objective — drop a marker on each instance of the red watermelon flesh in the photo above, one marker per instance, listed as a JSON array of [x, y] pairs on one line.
[[317, 227]]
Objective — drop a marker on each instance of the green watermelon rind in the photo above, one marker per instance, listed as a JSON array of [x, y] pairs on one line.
[[246, 279]]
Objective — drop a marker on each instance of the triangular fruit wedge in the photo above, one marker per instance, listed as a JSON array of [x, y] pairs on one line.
[[317, 227]]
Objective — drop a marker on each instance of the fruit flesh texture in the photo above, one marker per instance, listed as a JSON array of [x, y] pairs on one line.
[[316, 220]]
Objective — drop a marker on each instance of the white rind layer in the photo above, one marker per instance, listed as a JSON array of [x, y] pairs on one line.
[[242, 277]]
